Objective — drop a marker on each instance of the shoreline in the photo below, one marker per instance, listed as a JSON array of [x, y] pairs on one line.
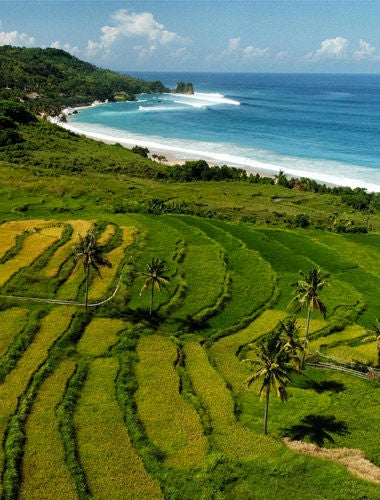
[[179, 154], [172, 155]]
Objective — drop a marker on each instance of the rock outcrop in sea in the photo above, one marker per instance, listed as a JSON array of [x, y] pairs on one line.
[[184, 88]]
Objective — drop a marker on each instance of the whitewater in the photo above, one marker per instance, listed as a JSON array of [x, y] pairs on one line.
[[325, 127]]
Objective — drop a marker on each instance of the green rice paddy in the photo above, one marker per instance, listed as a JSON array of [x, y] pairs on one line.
[[180, 424]]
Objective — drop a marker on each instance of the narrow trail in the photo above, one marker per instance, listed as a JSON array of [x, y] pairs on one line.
[[351, 458], [66, 302]]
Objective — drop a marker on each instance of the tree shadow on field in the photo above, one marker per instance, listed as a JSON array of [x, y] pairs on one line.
[[142, 315], [304, 382], [192, 324], [316, 429], [324, 386]]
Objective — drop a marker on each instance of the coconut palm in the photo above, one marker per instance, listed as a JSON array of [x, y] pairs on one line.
[[375, 336], [154, 278], [290, 344], [272, 368], [307, 296], [88, 253]]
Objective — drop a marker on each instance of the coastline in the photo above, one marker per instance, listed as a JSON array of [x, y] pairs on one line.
[[178, 153], [172, 155], [172, 158]]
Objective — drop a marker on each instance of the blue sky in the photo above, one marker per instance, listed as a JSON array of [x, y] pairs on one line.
[[191, 35]]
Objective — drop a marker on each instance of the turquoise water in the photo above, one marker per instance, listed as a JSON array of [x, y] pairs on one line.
[[326, 127]]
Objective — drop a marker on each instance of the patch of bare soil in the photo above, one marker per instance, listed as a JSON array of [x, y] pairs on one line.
[[351, 458]]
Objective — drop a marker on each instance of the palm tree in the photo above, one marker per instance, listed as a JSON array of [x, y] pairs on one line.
[[307, 296], [376, 336], [154, 278], [272, 369], [90, 254], [289, 335]]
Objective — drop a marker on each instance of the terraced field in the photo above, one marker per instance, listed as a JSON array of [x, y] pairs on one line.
[[107, 402]]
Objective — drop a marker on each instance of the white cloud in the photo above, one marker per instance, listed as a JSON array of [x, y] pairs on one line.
[[134, 25], [282, 55], [251, 52], [182, 54], [338, 49], [15, 38], [92, 48], [65, 46], [179, 53], [233, 45], [331, 48], [234, 50], [365, 51]]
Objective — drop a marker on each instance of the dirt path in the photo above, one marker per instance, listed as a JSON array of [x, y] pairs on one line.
[[66, 302], [353, 459]]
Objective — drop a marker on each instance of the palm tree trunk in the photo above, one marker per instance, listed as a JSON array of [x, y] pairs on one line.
[[87, 280], [306, 339], [266, 413], [151, 301]]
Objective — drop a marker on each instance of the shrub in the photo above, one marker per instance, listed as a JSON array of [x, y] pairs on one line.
[[9, 137], [139, 150], [6, 122], [301, 220], [16, 111]]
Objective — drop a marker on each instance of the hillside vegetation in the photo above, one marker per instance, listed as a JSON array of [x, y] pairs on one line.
[[114, 401], [49, 77]]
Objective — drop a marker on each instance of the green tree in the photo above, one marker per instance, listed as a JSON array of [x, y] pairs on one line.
[[88, 253], [281, 179], [272, 368], [290, 343], [307, 297], [155, 279], [376, 336], [139, 150]]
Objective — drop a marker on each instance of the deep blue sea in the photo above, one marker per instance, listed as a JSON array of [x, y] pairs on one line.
[[326, 127]]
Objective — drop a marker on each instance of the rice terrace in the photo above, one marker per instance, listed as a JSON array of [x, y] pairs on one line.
[[107, 402]]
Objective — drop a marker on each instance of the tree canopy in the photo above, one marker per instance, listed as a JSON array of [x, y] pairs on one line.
[[53, 76]]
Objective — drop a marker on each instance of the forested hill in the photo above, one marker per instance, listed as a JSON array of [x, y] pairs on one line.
[[53, 77]]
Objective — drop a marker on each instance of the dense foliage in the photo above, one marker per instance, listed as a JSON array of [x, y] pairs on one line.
[[12, 114], [53, 78]]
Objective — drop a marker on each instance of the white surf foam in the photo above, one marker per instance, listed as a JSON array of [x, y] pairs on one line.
[[200, 99], [160, 108], [249, 158]]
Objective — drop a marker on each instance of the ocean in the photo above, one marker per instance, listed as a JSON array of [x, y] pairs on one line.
[[326, 127]]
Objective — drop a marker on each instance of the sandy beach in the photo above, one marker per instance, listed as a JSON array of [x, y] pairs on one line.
[[212, 141], [173, 156]]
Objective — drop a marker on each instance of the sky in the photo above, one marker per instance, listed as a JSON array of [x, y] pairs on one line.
[[303, 36]]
